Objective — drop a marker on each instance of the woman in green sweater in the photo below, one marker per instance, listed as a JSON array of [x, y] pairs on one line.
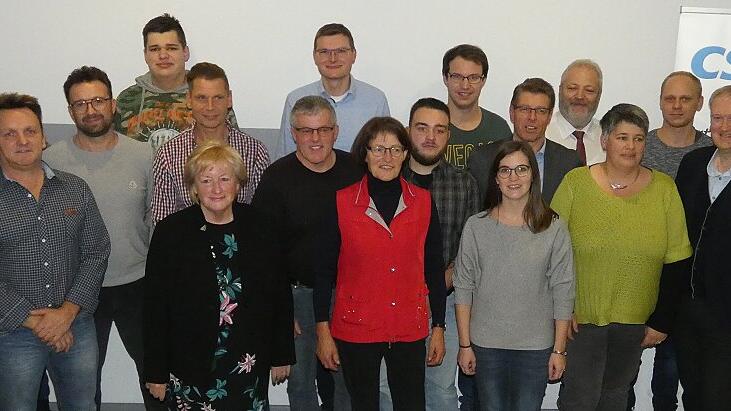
[[627, 227]]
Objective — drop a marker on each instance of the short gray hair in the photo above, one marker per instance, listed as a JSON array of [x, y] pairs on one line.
[[312, 105], [584, 63], [724, 91], [624, 112]]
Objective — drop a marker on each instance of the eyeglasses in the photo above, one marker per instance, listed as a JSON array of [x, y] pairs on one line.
[[521, 170], [98, 103], [380, 151], [322, 131], [338, 52], [719, 119], [458, 78], [527, 110]]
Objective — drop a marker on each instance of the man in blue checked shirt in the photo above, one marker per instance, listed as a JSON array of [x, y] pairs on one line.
[[53, 254]]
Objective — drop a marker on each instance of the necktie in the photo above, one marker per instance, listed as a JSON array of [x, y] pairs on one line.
[[580, 149]]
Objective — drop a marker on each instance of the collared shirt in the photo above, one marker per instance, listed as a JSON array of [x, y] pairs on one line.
[[456, 196], [52, 250], [359, 104], [717, 180], [170, 193], [561, 131]]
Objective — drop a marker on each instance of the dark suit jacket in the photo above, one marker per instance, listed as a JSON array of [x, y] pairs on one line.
[[711, 259], [182, 305], [558, 160]]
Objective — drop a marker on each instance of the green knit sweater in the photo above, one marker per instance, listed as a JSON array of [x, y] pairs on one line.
[[620, 245]]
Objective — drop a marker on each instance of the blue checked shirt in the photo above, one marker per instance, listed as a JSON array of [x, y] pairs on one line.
[[457, 197], [52, 250]]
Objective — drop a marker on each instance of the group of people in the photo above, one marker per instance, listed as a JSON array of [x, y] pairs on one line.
[[372, 265]]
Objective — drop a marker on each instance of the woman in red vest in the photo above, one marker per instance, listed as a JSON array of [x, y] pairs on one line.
[[382, 249]]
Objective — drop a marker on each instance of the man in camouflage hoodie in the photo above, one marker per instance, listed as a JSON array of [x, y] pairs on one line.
[[154, 109]]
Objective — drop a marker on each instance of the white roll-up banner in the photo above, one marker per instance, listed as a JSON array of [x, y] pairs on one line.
[[704, 49]]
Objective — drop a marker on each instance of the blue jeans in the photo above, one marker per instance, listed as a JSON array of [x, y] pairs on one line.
[[439, 383], [23, 358], [301, 388], [665, 377], [511, 379]]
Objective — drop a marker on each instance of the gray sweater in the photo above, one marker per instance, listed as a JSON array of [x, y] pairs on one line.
[[515, 281], [122, 185]]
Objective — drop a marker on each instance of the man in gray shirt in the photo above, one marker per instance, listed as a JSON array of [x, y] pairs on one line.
[[117, 169], [681, 96]]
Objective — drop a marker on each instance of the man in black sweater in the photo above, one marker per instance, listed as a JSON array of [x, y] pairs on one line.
[[296, 191], [703, 327]]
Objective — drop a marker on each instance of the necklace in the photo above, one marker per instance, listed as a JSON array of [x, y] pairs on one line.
[[620, 186]]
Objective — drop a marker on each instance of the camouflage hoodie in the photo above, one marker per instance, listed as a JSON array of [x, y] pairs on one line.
[[147, 113]]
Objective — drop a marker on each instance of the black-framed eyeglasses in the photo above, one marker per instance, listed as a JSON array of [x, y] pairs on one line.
[[97, 102], [472, 78], [322, 131], [527, 110], [380, 151], [338, 52], [521, 170]]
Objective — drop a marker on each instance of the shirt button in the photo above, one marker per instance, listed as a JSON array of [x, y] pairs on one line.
[[39, 218], [43, 240], [50, 305], [48, 285], [45, 264], [30, 195]]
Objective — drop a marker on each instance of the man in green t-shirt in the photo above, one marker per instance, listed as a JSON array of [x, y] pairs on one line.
[[154, 109], [464, 70]]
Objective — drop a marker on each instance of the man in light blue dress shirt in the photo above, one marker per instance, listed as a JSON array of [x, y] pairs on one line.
[[355, 102]]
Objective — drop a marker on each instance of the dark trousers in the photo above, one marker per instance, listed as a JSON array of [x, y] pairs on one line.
[[468, 401], [600, 367], [664, 379], [123, 306], [405, 365], [703, 345]]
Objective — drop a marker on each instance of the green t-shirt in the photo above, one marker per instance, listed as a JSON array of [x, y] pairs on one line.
[[620, 245], [461, 142]]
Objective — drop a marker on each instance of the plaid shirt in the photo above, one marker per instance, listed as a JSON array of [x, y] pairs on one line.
[[171, 195], [52, 250], [457, 197]]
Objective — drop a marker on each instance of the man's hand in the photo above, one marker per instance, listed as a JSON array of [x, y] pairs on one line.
[[435, 352], [157, 390], [280, 374], [54, 322], [32, 321], [448, 276], [64, 343], [652, 338], [327, 351], [297, 329]]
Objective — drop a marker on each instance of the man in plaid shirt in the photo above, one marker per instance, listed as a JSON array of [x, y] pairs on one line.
[[54, 249], [456, 196], [209, 97]]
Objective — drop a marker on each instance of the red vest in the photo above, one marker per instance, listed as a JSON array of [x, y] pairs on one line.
[[381, 294]]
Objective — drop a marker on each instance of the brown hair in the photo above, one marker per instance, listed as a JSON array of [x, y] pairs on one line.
[[333, 29], [536, 86], [537, 214], [205, 70], [10, 101], [371, 129]]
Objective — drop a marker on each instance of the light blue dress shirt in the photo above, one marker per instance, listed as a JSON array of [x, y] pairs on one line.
[[359, 104], [717, 180]]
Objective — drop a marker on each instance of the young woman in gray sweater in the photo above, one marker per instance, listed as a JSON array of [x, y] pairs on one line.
[[514, 284]]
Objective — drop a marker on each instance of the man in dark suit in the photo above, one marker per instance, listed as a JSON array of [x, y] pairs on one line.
[[702, 329], [530, 112]]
